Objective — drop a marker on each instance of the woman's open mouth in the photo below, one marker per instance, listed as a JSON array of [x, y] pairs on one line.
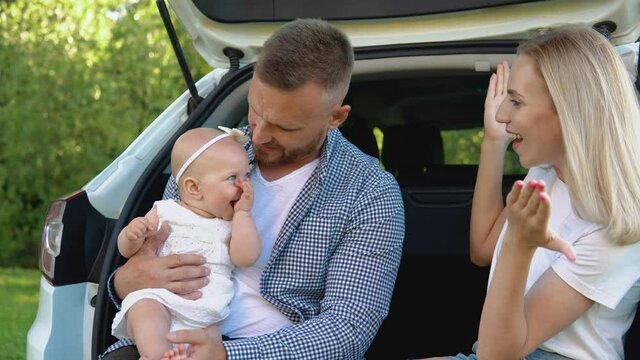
[[516, 139]]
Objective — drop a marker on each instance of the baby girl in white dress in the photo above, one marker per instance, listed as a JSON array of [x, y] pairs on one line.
[[212, 219]]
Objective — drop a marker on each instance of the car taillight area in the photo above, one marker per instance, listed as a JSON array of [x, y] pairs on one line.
[[72, 234], [51, 238]]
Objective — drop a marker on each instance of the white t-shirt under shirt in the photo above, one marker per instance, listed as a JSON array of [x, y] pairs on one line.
[[250, 314], [603, 272]]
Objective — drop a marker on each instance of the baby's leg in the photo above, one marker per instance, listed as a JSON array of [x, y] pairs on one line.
[[148, 323]]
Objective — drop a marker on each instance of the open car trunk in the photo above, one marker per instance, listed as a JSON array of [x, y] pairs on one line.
[[419, 110], [417, 105]]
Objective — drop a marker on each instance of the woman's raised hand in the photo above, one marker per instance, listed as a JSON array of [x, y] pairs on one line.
[[496, 94]]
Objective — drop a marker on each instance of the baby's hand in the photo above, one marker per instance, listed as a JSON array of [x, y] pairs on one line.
[[245, 203], [138, 229], [528, 211]]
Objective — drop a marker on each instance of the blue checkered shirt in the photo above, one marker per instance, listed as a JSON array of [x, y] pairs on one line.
[[333, 266]]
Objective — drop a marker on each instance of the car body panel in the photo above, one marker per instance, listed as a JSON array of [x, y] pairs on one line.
[[516, 21], [108, 191], [61, 331]]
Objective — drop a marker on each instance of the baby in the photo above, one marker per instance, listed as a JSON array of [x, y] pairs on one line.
[[213, 219]]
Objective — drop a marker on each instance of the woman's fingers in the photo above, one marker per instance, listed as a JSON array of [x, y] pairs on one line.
[[535, 198], [505, 76], [528, 211], [491, 90], [514, 194], [527, 192], [553, 241], [556, 244], [499, 80], [524, 197]]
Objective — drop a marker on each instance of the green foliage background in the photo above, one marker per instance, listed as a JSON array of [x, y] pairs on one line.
[[79, 81]]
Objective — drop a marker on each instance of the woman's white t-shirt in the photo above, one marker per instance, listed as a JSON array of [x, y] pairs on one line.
[[604, 272]]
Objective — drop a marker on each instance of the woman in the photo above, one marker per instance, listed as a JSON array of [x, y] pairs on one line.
[[564, 252]]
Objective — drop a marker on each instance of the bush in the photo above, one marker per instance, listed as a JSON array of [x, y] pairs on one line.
[[85, 78]]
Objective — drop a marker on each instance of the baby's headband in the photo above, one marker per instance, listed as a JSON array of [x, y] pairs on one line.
[[236, 134]]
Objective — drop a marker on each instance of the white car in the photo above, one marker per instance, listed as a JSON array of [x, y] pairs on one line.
[[420, 77]]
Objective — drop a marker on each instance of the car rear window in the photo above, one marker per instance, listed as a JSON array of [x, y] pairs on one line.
[[462, 147]]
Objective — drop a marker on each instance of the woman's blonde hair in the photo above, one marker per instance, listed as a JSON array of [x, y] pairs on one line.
[[600, 121]]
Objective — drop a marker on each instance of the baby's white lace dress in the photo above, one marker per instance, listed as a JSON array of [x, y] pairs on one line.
[[189, 233]]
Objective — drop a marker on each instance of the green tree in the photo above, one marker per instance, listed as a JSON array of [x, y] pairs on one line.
[[80, 80], [463, 147]]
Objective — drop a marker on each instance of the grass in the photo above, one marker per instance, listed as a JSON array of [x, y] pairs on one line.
[[18, 306]]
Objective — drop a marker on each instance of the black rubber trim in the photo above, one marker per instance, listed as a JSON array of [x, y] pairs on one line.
[[238, 11]]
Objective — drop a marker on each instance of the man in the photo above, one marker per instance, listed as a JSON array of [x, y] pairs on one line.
[[331, 220]]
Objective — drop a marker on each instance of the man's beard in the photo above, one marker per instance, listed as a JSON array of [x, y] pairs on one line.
[[279, 156]]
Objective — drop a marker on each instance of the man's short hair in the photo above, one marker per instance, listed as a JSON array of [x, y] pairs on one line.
[[307, 50]]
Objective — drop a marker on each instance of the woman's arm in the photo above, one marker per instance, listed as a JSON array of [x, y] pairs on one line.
[[487, 216], [512, 325]]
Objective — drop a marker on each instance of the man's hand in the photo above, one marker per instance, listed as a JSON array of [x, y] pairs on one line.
[[203, 344], [182, 274]]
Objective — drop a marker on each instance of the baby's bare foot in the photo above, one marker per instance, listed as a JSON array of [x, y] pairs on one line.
[[177, 353]]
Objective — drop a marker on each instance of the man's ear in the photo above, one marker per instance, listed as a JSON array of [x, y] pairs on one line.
[[339, 116], [192, 188]]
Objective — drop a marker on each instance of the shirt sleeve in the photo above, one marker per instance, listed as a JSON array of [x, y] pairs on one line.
[[604, 272], [117, 302]]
